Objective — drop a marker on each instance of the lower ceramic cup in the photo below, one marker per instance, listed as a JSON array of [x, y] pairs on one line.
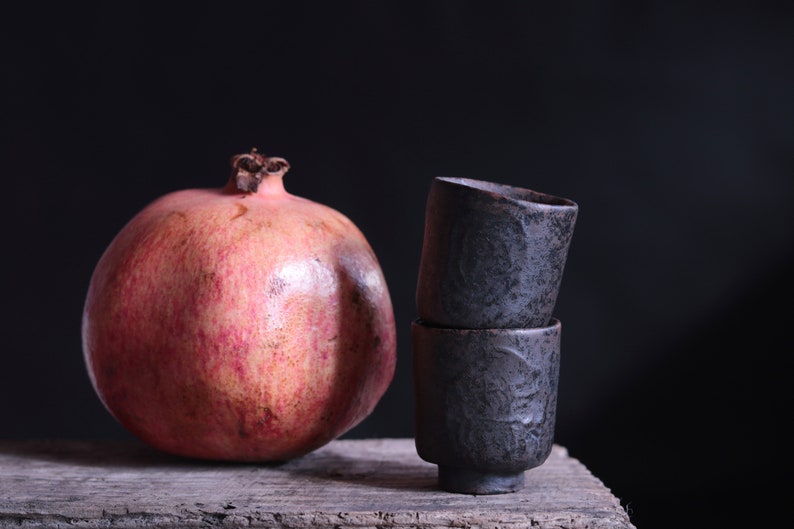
[[485, 403]]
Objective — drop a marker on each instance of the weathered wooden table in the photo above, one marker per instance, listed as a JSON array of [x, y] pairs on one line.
[[348, 483]]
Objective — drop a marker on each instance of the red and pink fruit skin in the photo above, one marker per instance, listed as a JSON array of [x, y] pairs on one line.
[[239, 326]]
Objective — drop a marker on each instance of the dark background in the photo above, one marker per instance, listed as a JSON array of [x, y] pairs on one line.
[[671, 124]]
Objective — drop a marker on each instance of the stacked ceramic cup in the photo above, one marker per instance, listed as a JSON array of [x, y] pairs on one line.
[[486, 349]]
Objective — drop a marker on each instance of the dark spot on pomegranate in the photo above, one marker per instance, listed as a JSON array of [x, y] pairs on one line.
[[355, 297], [267, 417], [241, 431], [179, 214], [248, 423], [241, 210], [319, 225], [276, 286]]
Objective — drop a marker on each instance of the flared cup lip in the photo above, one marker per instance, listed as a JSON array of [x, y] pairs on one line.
[[520, 195]]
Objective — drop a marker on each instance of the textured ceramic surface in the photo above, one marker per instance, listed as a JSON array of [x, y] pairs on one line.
[[485, 403], [493, 255]]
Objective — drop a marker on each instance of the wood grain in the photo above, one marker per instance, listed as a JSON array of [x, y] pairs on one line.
[[346, 484]]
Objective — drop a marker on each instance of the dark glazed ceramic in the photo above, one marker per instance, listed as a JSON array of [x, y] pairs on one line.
[[486, 403], [493, 255]]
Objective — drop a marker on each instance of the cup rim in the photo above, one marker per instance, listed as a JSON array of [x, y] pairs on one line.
[[512, 193]]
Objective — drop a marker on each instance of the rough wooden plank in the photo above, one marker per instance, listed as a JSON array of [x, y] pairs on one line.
[[346, 484]]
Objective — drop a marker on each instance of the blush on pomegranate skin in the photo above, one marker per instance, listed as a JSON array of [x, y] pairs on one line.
[[241, 323]]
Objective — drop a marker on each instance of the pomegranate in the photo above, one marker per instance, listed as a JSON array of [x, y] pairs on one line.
[[242, 323]]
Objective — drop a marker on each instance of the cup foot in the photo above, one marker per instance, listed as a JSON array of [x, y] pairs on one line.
[[469, 481]]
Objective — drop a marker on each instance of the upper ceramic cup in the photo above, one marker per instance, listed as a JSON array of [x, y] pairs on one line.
[[493, 255]]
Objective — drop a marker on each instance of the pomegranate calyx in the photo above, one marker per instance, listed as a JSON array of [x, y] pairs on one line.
[[249, 169]]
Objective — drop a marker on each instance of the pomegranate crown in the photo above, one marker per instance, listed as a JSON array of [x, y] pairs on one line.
[[249, 169]]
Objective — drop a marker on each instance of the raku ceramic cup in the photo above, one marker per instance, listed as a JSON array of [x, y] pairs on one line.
[[485, 403], [493, 255]]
